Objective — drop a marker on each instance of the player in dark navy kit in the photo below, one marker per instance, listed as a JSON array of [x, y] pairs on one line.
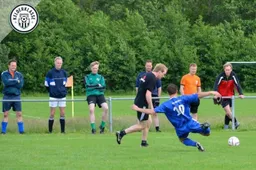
[[225, 84], [144, 100], [155, 93], [177, 111]]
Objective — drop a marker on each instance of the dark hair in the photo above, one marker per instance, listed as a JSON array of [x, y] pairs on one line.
[[172, 89], [12, 60], [149, 61]]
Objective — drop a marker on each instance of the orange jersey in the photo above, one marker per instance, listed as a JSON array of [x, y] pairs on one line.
[[190, 83]]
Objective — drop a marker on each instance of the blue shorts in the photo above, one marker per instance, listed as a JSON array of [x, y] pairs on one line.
[[16, 106], [191, 127]]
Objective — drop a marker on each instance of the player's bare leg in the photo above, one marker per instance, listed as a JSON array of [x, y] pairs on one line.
[[104, 117], [156, 122], [194, 116], [92, 117], [228, 117]]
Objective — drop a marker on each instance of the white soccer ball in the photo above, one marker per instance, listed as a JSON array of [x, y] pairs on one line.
[[233, 141]]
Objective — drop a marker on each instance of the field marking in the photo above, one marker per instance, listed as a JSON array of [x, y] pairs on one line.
[[35, 117]]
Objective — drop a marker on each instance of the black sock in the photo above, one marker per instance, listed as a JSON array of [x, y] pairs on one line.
[[143, 142], [157, 128], [50, 124], [62, 124], [226, 120], [122, 133], [234, 119]]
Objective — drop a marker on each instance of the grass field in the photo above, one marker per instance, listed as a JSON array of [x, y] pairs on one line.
[[78, 149]]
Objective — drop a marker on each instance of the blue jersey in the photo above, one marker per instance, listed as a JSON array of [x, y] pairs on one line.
[[177, 110], [158, 83]]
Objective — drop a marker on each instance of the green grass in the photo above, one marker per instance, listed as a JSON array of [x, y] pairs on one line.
[[85, 151], [78, 149]]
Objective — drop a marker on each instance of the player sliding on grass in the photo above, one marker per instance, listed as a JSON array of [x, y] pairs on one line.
[[177, 111]]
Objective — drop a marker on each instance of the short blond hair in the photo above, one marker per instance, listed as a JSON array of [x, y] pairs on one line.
[[192, 65], [227, 64], [58, 58], [160, 67], [94, 63]]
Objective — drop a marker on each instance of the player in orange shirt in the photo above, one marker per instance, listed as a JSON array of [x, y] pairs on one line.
[[190, 84]]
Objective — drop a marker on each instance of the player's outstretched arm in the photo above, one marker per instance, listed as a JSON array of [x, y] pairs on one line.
[[208, 93], [146, 111]]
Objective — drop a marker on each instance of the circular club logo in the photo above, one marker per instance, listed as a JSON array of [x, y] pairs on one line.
[[24, 18]]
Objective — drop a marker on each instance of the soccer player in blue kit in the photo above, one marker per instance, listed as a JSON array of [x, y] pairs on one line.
[[177, 111]]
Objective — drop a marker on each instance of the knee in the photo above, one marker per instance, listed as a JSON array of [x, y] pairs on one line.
[[19, 114], [5, 114], [91, 111], [105, 109]]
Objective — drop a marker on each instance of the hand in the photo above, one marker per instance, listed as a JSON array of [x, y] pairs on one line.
[[241, 96], [18, 80], [99, 85], [135, 107], [216, 95]]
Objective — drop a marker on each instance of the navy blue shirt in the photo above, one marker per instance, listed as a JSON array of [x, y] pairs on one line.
[[55, 81], [158, 83], [12, 85]]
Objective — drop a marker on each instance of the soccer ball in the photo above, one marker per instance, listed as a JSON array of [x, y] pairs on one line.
[[233, 141]]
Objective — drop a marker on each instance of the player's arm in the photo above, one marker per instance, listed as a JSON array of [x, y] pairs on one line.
[[149, 99], [20, 81], [208, 93], [137, 83], [238, 85], [182, 84], [102, 85], [8, 82], [159, 88], [146, 111], [217, 82], [182, 89]]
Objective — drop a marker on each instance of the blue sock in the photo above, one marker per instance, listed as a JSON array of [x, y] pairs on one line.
[[20, 127], [206, 131], [189, 142], [4, 127]]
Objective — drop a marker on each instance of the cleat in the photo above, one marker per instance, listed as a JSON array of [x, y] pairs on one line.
[[225, 127], [102, 129], [205, 125], [3, 133], [144, 144], [118, 137], [158, 130], [22, 133], [199, 147], [237, 124], [93, 131]]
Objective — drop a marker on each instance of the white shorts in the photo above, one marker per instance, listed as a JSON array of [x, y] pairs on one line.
[[57, 103]]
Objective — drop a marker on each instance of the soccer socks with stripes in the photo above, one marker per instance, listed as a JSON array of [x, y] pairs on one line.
[[103, 124], [62, 124], [4, 127], [189, 142], [50, 124], [93, 126], [21, 127]]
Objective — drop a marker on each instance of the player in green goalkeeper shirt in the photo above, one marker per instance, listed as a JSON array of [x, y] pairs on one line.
[[95, 87]]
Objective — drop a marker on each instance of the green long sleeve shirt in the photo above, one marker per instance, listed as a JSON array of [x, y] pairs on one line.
[[94, 84]]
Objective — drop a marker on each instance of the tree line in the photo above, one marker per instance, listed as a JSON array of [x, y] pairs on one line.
[[123, 34]]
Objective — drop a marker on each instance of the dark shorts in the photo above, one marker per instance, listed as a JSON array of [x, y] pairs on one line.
[[96, 100], [155, 102], [194, 107], [16, 106], [142, 116], [226, 102]]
